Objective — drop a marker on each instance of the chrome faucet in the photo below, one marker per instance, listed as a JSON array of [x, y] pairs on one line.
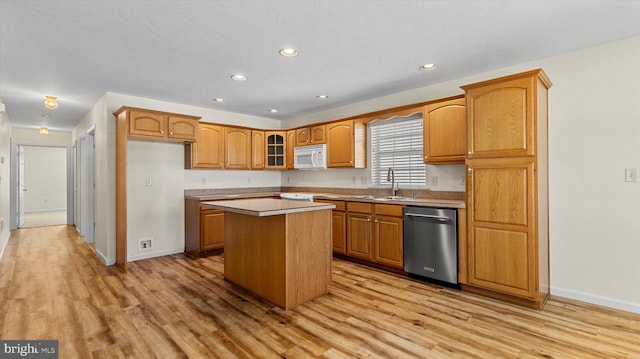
[[392, 177]]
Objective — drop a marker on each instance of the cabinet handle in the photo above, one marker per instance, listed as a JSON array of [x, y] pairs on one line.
[[376, 221], [162, 132], [470, 153], [469, 169], [171, 133], [368, 219]]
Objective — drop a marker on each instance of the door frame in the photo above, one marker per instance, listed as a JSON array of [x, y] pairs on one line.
[[13, 181]]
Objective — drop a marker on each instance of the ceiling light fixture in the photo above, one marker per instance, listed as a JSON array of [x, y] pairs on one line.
[[322, 97], [215, 99], [273, 110], [50, 102], [428, 67], [239, 77], [44, 131], [288, 52]]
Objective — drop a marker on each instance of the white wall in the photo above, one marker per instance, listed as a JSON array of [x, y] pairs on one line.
[[32, 136], [45, 178], [5, 192]]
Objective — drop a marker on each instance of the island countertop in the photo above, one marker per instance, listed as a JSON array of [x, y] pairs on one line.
[[261, 207]]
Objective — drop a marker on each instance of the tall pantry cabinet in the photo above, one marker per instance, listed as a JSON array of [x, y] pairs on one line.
[[507, 188]]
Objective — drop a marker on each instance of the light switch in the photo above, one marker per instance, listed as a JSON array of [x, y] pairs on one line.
[[631, 175]]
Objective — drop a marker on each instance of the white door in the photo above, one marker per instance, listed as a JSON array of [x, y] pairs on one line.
[[21, 189]]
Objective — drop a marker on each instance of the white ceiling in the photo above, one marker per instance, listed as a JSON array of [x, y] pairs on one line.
[[185, 51]]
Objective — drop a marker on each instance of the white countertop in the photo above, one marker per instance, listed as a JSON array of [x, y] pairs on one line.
[[266, 206]]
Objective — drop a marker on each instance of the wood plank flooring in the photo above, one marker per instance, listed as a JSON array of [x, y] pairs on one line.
[[52, 286]]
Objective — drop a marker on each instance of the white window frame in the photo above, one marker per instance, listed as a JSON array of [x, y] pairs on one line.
[[406, 159]]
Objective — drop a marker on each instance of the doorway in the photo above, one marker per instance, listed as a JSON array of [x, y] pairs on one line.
[[42, 186], [86, 186]]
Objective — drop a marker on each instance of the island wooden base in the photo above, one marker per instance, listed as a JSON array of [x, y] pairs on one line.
[[285, 259]]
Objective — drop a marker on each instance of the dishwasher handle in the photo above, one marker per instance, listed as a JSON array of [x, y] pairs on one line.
[[437, 218]]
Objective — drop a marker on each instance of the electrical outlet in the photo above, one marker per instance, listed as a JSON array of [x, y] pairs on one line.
[[144, 244], [434, 180], [147, 181], [631, 175]]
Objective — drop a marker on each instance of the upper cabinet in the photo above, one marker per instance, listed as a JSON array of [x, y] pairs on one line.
[[310, 135], [257, 150], [163, 126], [445, 137], [501, 117], [346, 144], [237, 151], [208, 150], [276, 149], [291, 143]]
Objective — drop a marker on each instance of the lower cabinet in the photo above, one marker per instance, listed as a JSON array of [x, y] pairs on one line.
[[374, 233], [388, 235], [211, 229], [204, 228]]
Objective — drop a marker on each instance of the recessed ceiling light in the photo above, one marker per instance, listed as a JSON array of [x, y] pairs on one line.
[[288, 52], [217, 99], [322, 97], [272, 110], [238, 77], [428, 67]]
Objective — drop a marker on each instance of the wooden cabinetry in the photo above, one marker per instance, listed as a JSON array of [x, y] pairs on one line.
[[163, 126], [291, 143], [346, 144], [204, 228], [360, 230], [507, 188], [211, 229], [208, 150], [257, 150], [388, 235], [445, 137], [276, 149], [237, 151], [374, 233], [339, 225], [310, 135]]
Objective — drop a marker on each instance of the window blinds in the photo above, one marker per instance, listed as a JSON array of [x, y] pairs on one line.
[[397, 143]]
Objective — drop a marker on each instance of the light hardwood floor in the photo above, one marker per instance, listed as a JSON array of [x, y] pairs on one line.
[[53, 287]]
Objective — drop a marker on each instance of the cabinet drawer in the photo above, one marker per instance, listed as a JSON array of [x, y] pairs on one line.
[[360, 207], [388, 210], [340, 205]]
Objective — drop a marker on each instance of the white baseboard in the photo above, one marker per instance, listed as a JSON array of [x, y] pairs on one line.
[[104, 259], [147, 255], [594, 299], [45, 210], [3, 243]]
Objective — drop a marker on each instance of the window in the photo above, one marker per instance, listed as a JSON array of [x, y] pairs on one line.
[[397, 143]]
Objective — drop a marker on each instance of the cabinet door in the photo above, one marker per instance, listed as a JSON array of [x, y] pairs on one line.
[[500, 119], [445, 136], [303, 136], [291, 143], [502, 245], [339, 224], [211, 229], [388, 240], [147, 124], [276, 149], [237, 148], [257, 150], [340, 148], [183, 128], [317, 134], [208, 150], [359, 235]]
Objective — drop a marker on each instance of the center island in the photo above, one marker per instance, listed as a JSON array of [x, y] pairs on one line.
[[278, 249]]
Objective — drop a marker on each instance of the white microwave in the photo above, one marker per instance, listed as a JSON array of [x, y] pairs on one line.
[[310, 157]]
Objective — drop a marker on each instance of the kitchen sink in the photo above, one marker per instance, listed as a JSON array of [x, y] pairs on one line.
[[386, 198]]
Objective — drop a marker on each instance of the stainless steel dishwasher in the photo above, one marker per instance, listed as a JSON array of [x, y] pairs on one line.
[[431, 243]]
